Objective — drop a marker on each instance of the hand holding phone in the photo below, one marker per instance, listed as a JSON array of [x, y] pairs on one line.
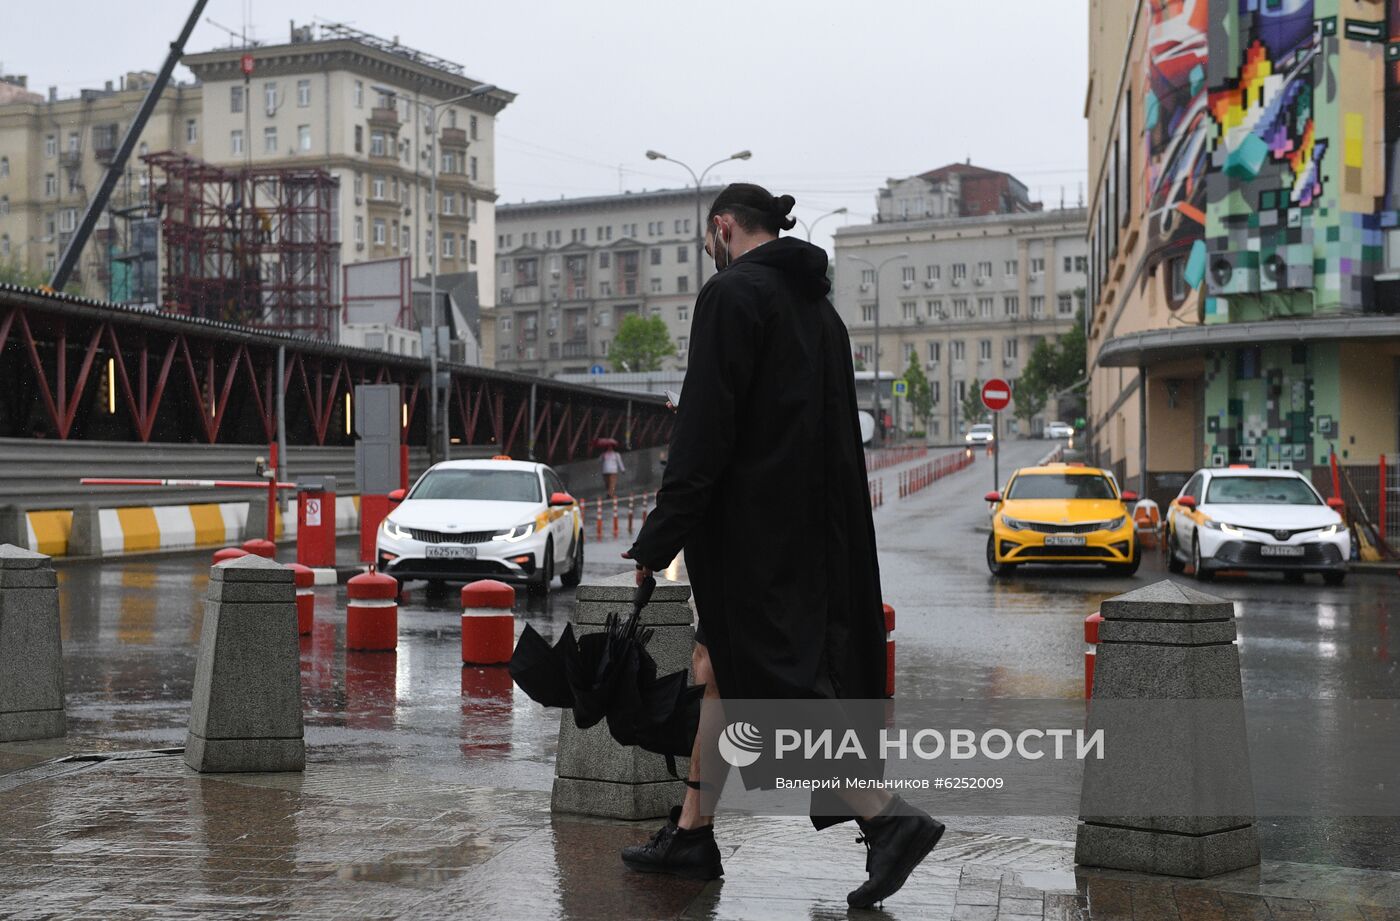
[[673, 400]]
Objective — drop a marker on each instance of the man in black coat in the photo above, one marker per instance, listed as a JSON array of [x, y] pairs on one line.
[[765, 490]]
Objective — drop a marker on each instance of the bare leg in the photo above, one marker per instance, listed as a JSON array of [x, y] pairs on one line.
[[697, 810]]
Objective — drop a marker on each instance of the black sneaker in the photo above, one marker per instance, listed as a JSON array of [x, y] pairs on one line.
[[688, 852], [896, 841]]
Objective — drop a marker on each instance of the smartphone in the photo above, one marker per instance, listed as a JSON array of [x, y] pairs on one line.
[[673, 397]]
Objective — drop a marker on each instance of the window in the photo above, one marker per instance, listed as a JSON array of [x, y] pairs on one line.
[[303, 94], [909, 310], [472, 127], [867, 276], [50, 263], [682, 344], [605, 290], [682, 253], [984, 307], [864, 353], [471, 213], [935, 351], [449, 246], [1038, 266], [1037, 305], [50, 146], [1012, 266], [376, 188], [655, 256], [68, 220], [359, 139], [959, 271], [957, 350], [270, 139], [683, 312], [377, 145], [359, 229], [935, 309], [235, 99], [50, 184], [380, 231], [1069, 263], [191, 131], [471, 251], [473, 172], [984, 270], [934, 394], [960, 310], [270, 98], [1064, 305], [4, 204], [235, 142], [984, 350], [394, 234], [1011, 305], [682, 284], [603, 260], [429, 245], [358, 94], [656, 286], [4, 167], [1012, 348], [605, 318], [449, 203], [303, 137], [933, 272], [867, 313], [1081, 263], [907, 274]]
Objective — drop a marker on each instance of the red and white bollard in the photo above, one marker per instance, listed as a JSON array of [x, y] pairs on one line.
[[305, 580], [1091, 636], [372, 613], [488, 626], [228, 553], [889, 651], [258, 546]]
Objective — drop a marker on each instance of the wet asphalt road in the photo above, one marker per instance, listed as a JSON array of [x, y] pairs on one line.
[[131, 631]]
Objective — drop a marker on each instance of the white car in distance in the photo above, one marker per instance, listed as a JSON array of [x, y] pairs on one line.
[[484, 519]]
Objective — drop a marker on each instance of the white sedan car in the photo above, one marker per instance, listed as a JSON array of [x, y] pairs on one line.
[[1058, 430], [484, 519], [980, 434], [1246, 518]]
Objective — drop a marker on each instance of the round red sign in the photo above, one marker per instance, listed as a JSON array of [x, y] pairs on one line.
[[996, 394], [246, 64]]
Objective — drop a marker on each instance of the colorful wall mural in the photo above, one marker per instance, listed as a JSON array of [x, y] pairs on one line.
[[1176, 125], [1295, 182]]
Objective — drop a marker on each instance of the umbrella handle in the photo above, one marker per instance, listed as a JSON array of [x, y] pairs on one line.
[[643, 593]]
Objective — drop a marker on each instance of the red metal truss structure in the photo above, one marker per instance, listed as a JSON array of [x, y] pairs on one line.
[[75, 369], [255, 247]]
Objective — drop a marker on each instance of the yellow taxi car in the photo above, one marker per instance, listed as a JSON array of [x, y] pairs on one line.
[[1062, 513]]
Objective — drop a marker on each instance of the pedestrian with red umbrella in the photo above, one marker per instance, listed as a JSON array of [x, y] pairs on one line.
[[767, 442], [612, 466]]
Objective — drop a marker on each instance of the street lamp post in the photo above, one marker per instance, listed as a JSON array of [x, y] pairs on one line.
[[812, 226], [438, 448], [699, 200], [879, 420]]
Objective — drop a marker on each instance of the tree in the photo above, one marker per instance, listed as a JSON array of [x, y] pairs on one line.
[[641, 344], [972, 408], [1030, 396], [12, 272], [1053, 367], [920, 395]]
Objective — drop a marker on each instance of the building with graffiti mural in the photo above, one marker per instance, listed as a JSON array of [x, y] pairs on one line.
[[1244, 250]]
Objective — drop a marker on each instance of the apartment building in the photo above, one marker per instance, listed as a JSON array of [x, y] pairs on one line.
[[53, 155], [965, 275], [572, 269], [1246, 261]]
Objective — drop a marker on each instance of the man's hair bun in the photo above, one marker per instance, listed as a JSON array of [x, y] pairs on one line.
[[781, 206]]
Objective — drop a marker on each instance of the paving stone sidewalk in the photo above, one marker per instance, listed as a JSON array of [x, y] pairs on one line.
[[141, 836]]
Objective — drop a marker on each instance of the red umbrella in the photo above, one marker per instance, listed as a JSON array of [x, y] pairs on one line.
[[605, 443]]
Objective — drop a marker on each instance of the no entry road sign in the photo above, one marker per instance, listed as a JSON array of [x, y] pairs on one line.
[[996, 394]]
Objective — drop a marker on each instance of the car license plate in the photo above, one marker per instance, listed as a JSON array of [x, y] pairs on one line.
[[1064, 540], [449, 553], [1279, 550]]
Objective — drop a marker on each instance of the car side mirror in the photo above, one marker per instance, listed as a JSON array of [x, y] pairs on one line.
[[1337, 505], [397, 495], [1187, 502], [993, 496], [560, 498], [1129, 496]]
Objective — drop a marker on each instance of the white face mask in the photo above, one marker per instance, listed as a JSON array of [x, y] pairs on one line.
[[721, 243]]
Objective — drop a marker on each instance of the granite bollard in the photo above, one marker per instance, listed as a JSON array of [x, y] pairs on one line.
[[593, 775], [1168, 698], [246, 712], [31, 648]]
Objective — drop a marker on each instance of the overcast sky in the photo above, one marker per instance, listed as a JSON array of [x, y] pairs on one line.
[[832, 97]]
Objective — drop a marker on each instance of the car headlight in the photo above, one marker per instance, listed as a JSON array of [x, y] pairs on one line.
[[1117, 523], [519, 532], [1222, 526], [394, 531], [1329, 531], [1014, 524], [968, 437]]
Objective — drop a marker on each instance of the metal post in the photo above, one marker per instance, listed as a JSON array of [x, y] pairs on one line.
[[446, 426], [879, 418], [996, 451], [1142, 432], [281, 468], [699, 240], [530, 442], [627, 429], [432, 295]]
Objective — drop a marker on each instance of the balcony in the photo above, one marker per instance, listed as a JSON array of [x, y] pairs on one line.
[[576, 349], [104, 155], [453, 137], [386, 117]]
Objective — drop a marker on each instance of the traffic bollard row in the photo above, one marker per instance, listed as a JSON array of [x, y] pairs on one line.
[[889, 457], [228, 553], [257, 546], [924, 475]]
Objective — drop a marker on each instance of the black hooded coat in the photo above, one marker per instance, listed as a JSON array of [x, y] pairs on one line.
[[765, 487]]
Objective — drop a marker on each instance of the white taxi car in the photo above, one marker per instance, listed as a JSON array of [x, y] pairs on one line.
[[980, 434], [1247, 518], [479, 519]]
